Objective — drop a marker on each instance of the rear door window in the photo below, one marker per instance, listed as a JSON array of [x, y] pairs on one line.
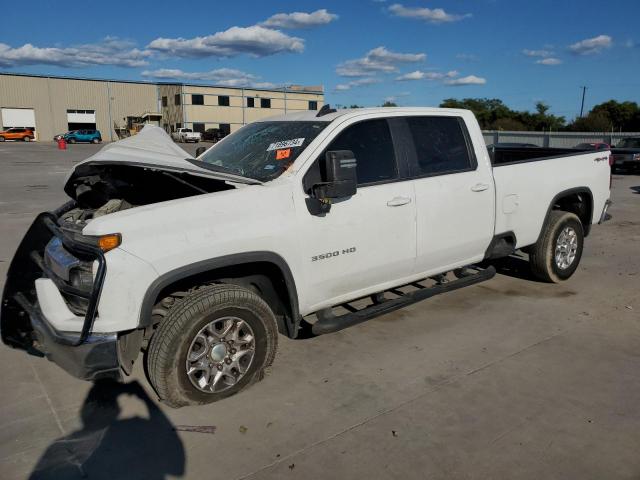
[[441, 144]]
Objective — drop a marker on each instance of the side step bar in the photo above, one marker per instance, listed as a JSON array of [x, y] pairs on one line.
[[329, 323]]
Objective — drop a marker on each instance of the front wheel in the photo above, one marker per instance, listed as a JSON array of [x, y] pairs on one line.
[[214, 342], [556, 255], [95, 140], [2, 139], [72, 140]]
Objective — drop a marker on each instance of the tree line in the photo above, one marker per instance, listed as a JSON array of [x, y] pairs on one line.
[[493, 114]]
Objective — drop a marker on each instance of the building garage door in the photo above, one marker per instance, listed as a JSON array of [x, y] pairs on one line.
[[19, 117], [81, 119]]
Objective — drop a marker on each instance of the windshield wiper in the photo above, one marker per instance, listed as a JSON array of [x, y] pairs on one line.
[[226, 171]]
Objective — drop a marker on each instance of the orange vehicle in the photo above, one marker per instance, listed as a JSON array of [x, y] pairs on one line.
[[24, 134]]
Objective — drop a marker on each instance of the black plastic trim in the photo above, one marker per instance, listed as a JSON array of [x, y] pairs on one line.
[[204, 266], [565, 193], [493, 250]]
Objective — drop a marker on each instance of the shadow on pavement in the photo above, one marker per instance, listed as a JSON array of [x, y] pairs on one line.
[[109, 447], [514, 266]]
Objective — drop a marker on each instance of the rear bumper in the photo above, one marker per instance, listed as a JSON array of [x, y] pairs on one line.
[[31, 305]]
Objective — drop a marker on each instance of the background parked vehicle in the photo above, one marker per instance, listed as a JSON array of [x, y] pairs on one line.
[[184, 135], [626, 154], [24, 134], [213, 135], [89, 136], [593, 146]]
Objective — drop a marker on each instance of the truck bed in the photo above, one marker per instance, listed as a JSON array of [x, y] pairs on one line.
[[527, 180]]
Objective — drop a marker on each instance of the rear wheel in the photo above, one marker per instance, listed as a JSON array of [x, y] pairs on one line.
[[2, 139], [556, 255], [95, 140], [214, 342], [26, 139]]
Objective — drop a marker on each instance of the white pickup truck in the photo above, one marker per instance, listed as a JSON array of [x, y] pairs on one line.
[[185, 135], [297, 225]]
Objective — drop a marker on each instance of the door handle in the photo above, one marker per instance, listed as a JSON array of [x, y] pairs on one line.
[[398, 201], [479, 187]]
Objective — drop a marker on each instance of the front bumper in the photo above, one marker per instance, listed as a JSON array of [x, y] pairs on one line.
[[24, 324]]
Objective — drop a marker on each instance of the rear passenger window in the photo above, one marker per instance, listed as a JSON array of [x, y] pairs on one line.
[[370, 141], [441, 145]]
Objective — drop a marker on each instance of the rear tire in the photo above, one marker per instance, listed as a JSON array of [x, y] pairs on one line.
[[213, 343], [556, 255], [95, 140], [26, 139], [2, 139]]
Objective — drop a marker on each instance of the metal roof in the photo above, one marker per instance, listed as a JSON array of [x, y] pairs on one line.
[[146, 82]]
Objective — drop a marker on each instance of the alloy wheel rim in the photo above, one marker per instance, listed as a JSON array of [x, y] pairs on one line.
[[220, 354], [566, 248]]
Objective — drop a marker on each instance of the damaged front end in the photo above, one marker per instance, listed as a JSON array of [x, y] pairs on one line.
[[46, 268]]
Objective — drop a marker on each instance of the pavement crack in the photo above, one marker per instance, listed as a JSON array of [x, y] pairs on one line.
[[47, 398]]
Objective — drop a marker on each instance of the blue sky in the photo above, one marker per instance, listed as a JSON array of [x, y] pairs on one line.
[[415, 52]]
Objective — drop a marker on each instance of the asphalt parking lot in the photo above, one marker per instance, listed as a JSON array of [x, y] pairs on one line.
[[507, 379]]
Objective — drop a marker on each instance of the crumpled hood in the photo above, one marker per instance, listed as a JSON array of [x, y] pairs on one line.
[[152, 147]]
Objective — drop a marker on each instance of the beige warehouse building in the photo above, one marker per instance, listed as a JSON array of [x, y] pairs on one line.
[[52, 105]]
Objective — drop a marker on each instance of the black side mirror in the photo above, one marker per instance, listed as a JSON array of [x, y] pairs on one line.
[[200, 151], [338, 172], [339, 175]]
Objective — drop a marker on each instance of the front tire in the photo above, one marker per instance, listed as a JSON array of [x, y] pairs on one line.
[[213, 343], [556, 255]]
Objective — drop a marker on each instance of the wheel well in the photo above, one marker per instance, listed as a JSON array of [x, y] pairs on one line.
[[264, 278], [578, 202]]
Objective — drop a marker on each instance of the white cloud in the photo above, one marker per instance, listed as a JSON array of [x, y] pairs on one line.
[[377, 60], [415, 75], [549, 61], [110, 51], [228, 77], [300, 19], [592, 46], [435, 15], [256, 41], [342, 87], [537, 53], [468, 80], [420, 75]]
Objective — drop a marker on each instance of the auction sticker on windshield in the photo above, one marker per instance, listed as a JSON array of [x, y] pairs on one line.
[[296, 142]]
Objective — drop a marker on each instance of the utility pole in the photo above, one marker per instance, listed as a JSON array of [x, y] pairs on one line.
[[584, 90]]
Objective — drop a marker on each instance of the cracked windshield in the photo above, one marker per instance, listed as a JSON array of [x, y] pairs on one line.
[[262, 150]]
